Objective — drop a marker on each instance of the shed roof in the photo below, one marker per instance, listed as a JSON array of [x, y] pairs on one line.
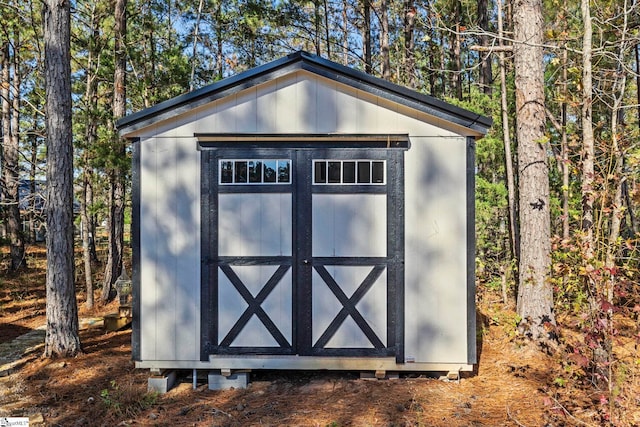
[[305, 61]]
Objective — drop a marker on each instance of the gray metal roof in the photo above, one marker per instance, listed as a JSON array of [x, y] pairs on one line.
[[305, 61]]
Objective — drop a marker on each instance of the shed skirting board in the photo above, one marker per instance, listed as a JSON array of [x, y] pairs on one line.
[[307, 362]]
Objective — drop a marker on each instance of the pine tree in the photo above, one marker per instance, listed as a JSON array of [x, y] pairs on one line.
[[535, 293], [62, 338]]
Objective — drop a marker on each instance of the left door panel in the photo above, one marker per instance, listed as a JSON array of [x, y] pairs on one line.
[[249, 269]]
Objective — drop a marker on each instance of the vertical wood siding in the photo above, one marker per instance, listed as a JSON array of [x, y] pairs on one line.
[[170, 250], [435, 194], [435, 250]]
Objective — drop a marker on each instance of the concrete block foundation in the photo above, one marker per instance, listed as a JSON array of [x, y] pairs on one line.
[[161, 383], [217, 381]]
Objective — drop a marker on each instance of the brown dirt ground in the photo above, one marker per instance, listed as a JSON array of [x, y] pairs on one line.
[[514, 385]]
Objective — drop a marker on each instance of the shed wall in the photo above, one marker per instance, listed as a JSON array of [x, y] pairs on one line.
[[170, 250], [436, 250], [435, 197]]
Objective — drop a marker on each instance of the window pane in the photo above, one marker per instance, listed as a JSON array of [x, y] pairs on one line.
[[269, 167], [377, 172], [320, 173], [349, 172], [334, 172], [241, 172], [255, 171], [226, 172], [364, 172], [284, 171]]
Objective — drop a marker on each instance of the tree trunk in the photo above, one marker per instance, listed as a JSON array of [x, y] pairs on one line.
[[434, 75], [91, 136], [10, 165], [327, 29], [633, 219], [384, 40], [409, 44], [32, 187], [366, 35], [617, 172], [93, 221], [588, 146], [565, 147], [62, 337], [18, 259], [219, 41], [196, 32], [506, 132], [457, 50], [117, 185], [345, 33], [5, 116], [486, 73], [86, 241], [637, 52], [316, 23], [535, 293]]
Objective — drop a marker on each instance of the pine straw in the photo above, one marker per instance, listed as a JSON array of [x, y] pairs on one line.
[[515, 385], [101, 387]]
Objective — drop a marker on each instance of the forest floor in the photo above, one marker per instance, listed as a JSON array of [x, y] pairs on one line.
[[514, 384]]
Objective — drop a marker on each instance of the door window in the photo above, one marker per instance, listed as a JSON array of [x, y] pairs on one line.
[[255, 171], [335, 172]]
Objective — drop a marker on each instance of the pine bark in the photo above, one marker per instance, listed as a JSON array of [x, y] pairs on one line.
[[535, 293], [62, 337]]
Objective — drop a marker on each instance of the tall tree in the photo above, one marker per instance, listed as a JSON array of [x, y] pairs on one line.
[[91, 17], [535, 293], [62, 338], [117, 173], [588, 141], [506, 136], [10, 93]]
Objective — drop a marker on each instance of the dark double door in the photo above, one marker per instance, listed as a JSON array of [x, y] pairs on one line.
[[302, 251]]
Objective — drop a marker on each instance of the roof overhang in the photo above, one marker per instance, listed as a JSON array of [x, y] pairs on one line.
[[476, 123]]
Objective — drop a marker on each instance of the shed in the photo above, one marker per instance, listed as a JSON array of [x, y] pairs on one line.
[[303, 215]]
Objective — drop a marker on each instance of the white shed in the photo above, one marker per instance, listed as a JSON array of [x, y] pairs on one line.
[[304, 215]]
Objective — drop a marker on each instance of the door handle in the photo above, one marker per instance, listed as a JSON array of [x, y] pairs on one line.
[[306, 261]]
